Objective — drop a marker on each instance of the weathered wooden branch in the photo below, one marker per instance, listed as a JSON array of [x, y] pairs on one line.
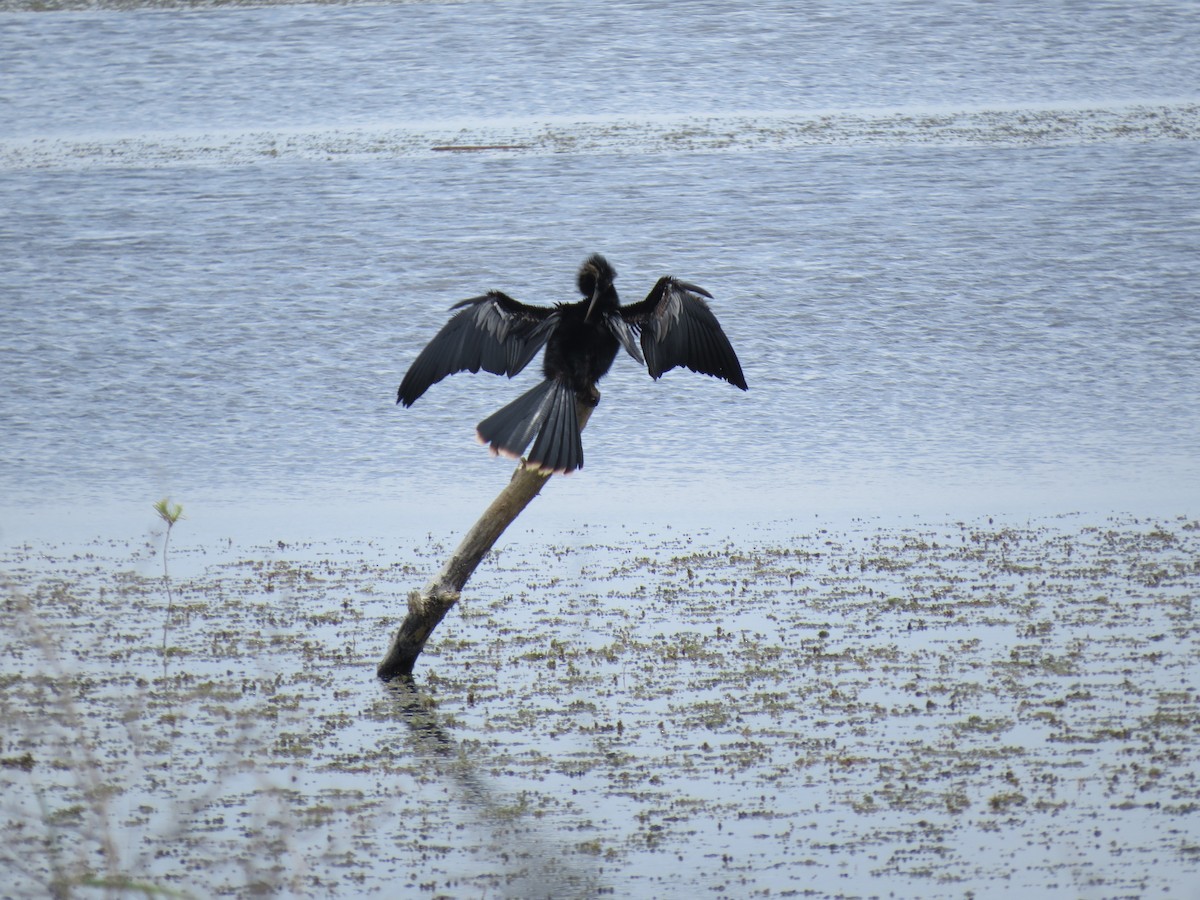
[[427, 608]]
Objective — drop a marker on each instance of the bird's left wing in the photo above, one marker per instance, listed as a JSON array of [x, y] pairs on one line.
[[678, 329], [494, 332]]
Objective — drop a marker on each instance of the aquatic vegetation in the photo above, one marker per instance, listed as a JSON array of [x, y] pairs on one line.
[[759, 713], [169, 513]]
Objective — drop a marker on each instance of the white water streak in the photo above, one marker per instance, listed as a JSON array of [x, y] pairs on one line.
[[1025, 126]]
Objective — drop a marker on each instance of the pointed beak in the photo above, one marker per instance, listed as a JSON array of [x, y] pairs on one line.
[[591, 306]]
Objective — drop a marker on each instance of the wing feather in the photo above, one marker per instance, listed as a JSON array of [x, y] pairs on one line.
[[678, 329], [624, 333], [494, 332]]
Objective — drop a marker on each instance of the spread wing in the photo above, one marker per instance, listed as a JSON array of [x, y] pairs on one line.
[[493, 332], [678, 329]]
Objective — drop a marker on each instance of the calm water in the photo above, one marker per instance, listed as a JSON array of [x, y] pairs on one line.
[[956, 324]]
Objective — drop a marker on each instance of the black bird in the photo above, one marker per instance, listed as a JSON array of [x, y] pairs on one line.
[[498, 334]]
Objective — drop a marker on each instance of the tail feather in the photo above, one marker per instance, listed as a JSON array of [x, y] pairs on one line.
[[547, 413], [510, 429], [558, 447]]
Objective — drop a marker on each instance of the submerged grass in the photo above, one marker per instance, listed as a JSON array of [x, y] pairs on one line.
[[936, 710]]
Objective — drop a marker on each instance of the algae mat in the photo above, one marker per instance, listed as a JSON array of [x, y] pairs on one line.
[[866, 709]]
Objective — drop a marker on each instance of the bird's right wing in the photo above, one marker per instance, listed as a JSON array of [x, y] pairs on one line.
[[494, 332]]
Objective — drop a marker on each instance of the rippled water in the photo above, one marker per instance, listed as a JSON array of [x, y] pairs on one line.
[[296, 65], [969, 321]]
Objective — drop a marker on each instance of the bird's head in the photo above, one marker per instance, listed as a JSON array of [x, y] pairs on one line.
[[595, 280]]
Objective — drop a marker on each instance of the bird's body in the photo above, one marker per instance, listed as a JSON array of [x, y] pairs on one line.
[[579, 351], [582, 339]]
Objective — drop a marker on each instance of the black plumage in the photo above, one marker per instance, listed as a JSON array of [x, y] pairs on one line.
[[673, 326]]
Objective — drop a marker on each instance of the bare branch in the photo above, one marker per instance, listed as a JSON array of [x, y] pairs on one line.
[[428, 608]]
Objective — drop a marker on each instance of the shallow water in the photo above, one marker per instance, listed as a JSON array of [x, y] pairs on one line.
[[934, 710]]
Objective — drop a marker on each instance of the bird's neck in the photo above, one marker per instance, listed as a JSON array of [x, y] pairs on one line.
[[607, 302]]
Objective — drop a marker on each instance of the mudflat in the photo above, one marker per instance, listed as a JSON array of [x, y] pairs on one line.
[[801, 709]]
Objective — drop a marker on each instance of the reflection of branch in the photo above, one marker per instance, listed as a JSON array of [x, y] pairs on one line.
[[548, 872], [428, 608], [431, 741]]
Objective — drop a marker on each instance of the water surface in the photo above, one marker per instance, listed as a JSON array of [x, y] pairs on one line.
[[955, 247], [975, 285]]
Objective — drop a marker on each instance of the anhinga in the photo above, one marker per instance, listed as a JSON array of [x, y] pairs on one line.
[[498, 334]]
